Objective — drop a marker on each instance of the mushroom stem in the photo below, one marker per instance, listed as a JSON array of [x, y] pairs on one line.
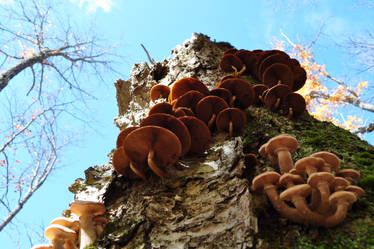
[[286, 211], [87, 231], [70, 245], [312, 217], [153, 165], [290, 113], [58, 244], [276, 105], [315, 199], [324, 191], [231, 129], [137, 171], [338, 216], [232, 101], [284, 160], [212, 120]]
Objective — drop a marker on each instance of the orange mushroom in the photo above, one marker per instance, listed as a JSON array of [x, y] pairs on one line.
[[200, 134], [208, 108], [159, 91], [230, 120], [241, 90], [187, 84], [340, 201]]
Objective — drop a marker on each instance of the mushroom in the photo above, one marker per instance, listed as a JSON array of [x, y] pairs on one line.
[[222, 93], [242, 92], [331, 161], [86, 211], [267, 182], [123, 134], [230, 119], [189, 100], [355, 190], [259, 90], [59, 235], [159, 91], [172, 124], [349, 174], [281, 147], [183, 111], [278, 72], [200, 134], [309, 164], [289, 180], [163, 107], [187, 84], [340, 201], [153, 145], [275, 95], [300, 76], [297, 195], [122, 165], [43, 246], [100, 223], [322, 181], [249, 59], [208, 108], [71, 224], [270, 60], [293, 105], [230, 63], [340, 183]]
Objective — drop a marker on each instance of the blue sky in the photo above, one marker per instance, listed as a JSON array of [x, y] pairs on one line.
[[160, 27]]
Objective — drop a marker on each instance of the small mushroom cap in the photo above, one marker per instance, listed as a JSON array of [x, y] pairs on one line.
[[309, 162], [222, 93], [67, 222], [260, 181], [90, 208], [300, 77], [200, 134], [208, 106], [279, 91], [43, 246], [165, 144], [235, 115], [163, 107], [187, 84], [270, 60], [121, 163], [242, 90], [287, 177], [340, 183], [183, 111], [298, 172], [230, 51], [342, 196], [262, 150], [302, 190], [172, 124], [259, 89], [349, 174], [123, 134], [230, 60], [58, 232], [189, 99], [318, 177], [278, 72], [158, 91], [356, 190], [281, 142], [296, 102], [329, 158], [249, 59]]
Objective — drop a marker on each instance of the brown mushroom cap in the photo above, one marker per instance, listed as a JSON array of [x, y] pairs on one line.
[[200, 134], [293, 105], [81, 208], [339, 196], [249, 59], [281, 141], [163, 107], [189, 99], [187, 84], [241, 90], [172, 124], [302, 190], [270, 60], [309, 164], [315, 178], [153, 144], [123, 134], [208, 108], [331, 160], [231, 117], [121, 164], [340, 183], [274, 96], [66, 222], [222, 93], [287, 180], [230, 51], [278, 72], [43, 246], [300, 78], [259, 90], [183, 111], [58, 232], [229, 62], [260, 181], [349, 174], [356, 190], [159, 91]]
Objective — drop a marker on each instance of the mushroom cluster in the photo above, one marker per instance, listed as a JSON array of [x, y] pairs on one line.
[[180, 125], [313, 191], [280, 77], [67, 233]]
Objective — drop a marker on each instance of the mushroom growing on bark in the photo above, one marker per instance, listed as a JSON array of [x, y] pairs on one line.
[[281, 147], [322, 181], [86, 211], [230, 63], [231, 119], [200, 134], [43, 246], [331, 161], [340, 201], [242, 92], [59, 235], [71, 224], [208, 108], [154, 146], [187, 84], [349, 174], [159, 91]]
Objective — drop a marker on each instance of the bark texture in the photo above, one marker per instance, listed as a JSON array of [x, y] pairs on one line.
[[207, 203]]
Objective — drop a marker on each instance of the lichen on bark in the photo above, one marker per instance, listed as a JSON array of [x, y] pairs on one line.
[[207, 203]]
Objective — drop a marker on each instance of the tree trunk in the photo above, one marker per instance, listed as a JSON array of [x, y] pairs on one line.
[[206, 202]]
